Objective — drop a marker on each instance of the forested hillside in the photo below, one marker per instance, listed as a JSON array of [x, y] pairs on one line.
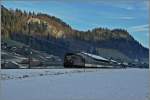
[[52, 35]]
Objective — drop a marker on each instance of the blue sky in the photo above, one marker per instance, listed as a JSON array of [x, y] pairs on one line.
[[132, 15]]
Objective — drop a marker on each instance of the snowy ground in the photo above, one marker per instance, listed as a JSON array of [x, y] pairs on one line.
[[74, 84]]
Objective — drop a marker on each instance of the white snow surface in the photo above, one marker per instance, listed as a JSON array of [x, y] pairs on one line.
[[95, 56], [74, 84]]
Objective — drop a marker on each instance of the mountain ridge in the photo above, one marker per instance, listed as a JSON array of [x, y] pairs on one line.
[[43, 27]]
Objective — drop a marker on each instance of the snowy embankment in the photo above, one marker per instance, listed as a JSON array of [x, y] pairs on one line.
[[28, 73], [75, 84]]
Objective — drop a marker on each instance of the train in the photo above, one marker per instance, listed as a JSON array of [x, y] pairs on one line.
[[87, 60]]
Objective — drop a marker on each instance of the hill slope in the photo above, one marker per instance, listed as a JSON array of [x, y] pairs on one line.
[[52, 35]]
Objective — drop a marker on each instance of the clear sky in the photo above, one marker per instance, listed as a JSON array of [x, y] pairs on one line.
[[132, 15]]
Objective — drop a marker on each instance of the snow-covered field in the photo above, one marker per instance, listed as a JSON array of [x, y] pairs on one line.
[[75, 84]]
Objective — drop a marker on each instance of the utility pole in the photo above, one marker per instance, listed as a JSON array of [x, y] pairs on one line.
[[29, 46], [4, 65]]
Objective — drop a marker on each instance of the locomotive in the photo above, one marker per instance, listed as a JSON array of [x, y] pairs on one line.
[[87, 60]]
